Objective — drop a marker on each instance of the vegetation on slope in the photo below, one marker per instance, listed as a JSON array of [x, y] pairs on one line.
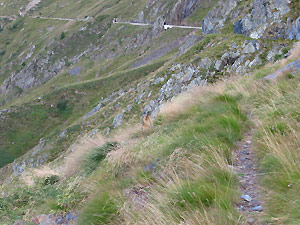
[[174, 184], [180, 170], [62, 107], [277, 118]]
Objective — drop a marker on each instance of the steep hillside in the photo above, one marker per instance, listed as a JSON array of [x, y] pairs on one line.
[[61, 72], [186, 169], [70, 72]]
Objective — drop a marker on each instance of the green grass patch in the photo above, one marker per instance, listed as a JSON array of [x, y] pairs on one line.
[[95, 156]]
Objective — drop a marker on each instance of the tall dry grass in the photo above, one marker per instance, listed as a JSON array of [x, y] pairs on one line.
[[160, 209], [185, 100], [295, 52], [72, 162]]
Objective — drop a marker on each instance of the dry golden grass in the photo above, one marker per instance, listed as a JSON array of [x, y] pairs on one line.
[[295, 53], [124, 134], [159, 210], [185, 100], [72, 162], [283, 147]]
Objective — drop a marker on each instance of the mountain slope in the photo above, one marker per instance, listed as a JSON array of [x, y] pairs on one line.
[[67, 71], [107, 55]]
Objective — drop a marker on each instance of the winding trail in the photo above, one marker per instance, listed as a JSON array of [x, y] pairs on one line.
[[246, 167], [46, 18], [134, 24], [166, 27], [59, 18], [182, 27]]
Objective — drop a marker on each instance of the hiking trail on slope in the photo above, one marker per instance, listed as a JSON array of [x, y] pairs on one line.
[[245, 164]]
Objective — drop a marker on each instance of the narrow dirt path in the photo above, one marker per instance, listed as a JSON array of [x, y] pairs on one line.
[[59, 18], [247, 169]]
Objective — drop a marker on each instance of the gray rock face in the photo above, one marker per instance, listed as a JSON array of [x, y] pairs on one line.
[[29, 76], [263, 13], [250, 47], [265, 19], [292, 67], [216, 17], [178, 83], [175, 15], [272, 53], [294, 31], [205, 63], [256, 61]]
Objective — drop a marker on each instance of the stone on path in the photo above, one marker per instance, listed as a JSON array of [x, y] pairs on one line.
[[258, 208], [246, 198]]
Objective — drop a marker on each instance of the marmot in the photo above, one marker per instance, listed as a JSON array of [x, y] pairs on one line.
[[147, 122]]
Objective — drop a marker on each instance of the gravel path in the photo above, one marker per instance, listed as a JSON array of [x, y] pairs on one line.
[[246, 167], [59, 18]]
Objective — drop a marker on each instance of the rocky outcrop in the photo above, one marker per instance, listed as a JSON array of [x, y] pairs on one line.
[[292, 67], [158, 12], [183, 9], [294, 30], [262, 15], [257, 19], [216, 17], [30, 76]]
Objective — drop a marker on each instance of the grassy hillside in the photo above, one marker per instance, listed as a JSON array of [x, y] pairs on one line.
[[210, 93], [181, 170], [111, 57]]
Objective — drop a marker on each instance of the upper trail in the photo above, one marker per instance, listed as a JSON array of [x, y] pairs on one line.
[[245, 164], [59, 18], [166, 26]]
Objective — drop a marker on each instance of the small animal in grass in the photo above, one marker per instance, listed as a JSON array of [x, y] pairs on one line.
[[147, 122]]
